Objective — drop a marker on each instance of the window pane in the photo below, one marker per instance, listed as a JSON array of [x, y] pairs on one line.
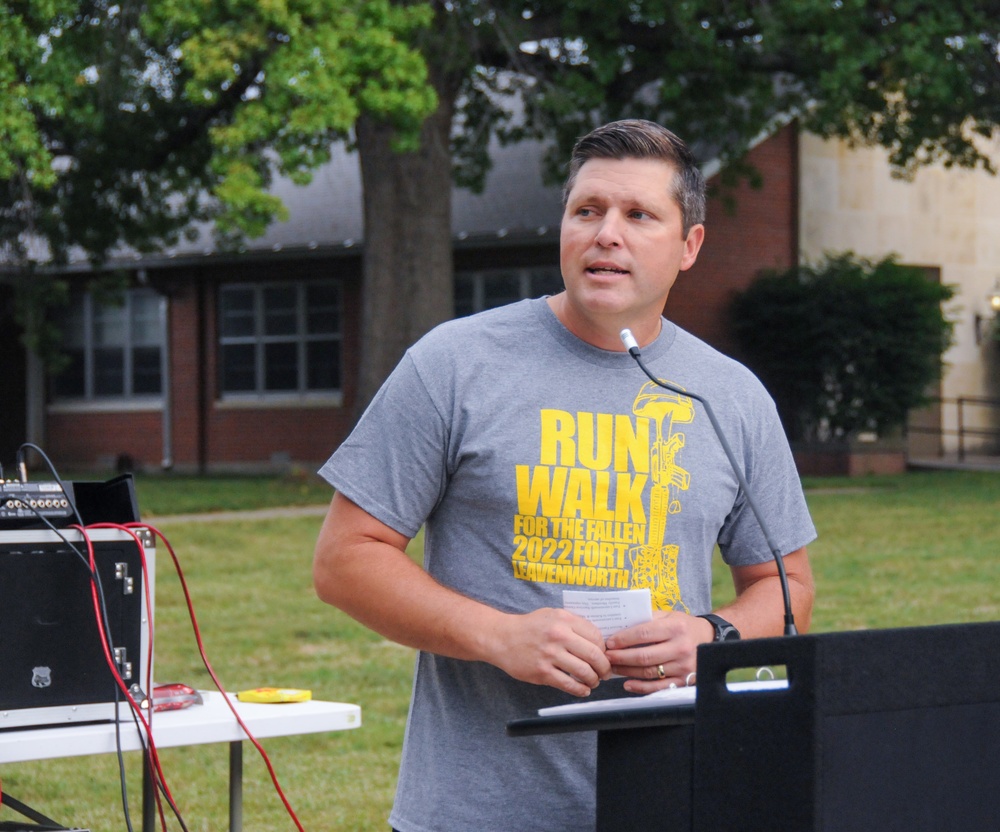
[[279, 310], [236, 313], [238, 371], [281, 367], [323, 365], [147, 327], [465, 292], [109, 325], [71, 381], [109, 371], [145, 370], [295, 329], [501, 288], [72, 324], [322, 309], [546, 282]]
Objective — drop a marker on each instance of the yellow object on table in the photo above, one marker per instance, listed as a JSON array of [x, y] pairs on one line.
[[274, 695]]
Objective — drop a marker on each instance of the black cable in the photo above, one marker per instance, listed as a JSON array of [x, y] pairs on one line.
[[55, 476]]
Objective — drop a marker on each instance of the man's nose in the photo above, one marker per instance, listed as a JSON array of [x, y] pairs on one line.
[[609, 235]]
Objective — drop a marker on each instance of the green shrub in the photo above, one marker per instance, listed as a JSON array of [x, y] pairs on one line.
[[846, 346]]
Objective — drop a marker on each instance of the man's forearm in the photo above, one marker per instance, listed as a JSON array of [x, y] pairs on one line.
[[758, 610]]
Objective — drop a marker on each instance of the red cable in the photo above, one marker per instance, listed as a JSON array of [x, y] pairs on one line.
[[152, 755], [211, 671], [151, 752]]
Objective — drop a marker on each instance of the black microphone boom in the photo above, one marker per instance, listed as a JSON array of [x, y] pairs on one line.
[[633, 349]]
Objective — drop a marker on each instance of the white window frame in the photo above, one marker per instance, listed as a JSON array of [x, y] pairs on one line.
[[258, 338], [524, 275], [127, 399]]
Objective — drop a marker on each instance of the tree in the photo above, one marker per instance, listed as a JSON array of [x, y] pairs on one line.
[[208, 96], [846, 346], [125, 122]]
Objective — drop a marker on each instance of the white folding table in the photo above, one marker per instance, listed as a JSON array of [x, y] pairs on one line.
[[210, 722]]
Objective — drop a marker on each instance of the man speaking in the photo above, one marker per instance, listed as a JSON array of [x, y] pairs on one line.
[[538, 457]]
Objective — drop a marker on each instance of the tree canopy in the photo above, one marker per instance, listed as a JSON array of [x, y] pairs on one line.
[[123, 122], [919, 78]]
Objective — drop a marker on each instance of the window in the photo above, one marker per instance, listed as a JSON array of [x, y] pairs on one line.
[[279, 338], [114, 350], [476, 291]]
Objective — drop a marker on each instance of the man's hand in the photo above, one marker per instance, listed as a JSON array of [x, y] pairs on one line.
[[671, 639], [551, 647], [658, 653]]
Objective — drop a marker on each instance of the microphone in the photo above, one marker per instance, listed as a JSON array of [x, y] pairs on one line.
[[633, 349]]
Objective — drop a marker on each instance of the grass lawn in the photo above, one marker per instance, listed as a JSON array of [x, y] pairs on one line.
[[893, 551]]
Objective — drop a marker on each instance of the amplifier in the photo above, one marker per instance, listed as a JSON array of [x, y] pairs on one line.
[[52, 664]]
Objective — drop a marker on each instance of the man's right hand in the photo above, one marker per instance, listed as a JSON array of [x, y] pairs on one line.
[[551, 647]]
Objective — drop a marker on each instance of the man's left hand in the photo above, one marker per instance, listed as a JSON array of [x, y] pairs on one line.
[[658, 653]]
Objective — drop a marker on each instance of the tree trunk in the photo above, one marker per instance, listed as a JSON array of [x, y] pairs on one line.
[[407, 267]]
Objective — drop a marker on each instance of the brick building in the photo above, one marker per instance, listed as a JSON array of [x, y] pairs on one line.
[[248, 361]]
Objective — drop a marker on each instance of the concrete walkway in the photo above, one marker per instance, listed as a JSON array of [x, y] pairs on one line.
[[951, 462]]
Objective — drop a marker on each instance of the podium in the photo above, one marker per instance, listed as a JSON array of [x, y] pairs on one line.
[[877, 730]]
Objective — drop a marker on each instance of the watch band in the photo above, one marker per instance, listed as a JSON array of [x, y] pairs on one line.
[[724, 631]]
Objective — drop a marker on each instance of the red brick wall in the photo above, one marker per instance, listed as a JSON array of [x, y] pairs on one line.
[[81, 439], [299, 434], [760, 233]]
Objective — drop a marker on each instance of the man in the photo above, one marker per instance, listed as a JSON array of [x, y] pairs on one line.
[[537, 456]]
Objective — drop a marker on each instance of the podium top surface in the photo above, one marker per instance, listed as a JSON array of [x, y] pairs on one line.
[[656, 714]]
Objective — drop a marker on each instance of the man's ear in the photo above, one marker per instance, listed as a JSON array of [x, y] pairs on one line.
[[692, 245]]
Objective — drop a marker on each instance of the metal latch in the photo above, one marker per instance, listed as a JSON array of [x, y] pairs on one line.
[[121, 574], [125, 667]]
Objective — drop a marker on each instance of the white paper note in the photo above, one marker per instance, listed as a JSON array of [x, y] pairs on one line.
[[610, 611]]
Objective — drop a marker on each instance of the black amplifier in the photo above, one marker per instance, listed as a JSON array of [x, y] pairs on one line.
[[52, 665]]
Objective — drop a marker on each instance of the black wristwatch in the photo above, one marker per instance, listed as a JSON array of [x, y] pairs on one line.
[[724, 631]]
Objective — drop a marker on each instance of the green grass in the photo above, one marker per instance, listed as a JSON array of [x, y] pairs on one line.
[[919, 548], [893, 551], [162, 494]]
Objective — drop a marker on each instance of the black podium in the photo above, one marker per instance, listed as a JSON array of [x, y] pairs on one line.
[[877, 730]]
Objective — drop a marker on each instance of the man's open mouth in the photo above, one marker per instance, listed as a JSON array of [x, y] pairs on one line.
[[606, 270]]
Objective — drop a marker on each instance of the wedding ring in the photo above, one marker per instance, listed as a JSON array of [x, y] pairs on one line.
[[661, 672]]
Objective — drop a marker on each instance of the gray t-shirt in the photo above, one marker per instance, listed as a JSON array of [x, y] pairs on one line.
[[539, 463]]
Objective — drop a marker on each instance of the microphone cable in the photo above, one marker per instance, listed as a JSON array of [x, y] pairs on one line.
[[633, 349]]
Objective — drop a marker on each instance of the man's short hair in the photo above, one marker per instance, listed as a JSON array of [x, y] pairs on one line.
[[641, 139]]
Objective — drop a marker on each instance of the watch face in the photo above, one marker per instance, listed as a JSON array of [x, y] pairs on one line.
[[728, 633], [724, 631]]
